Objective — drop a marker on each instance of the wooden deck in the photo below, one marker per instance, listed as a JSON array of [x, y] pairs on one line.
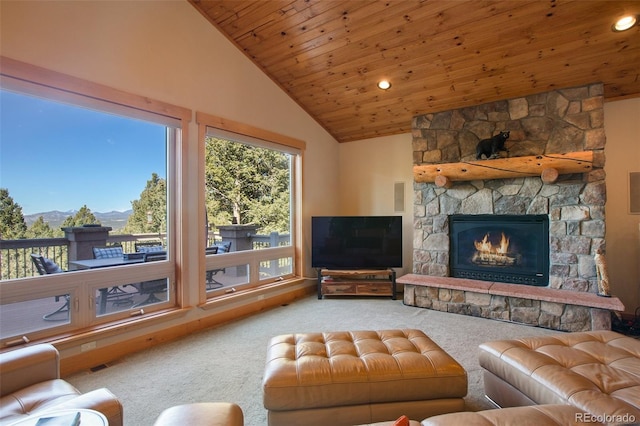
[[23, 318], [26, 317]]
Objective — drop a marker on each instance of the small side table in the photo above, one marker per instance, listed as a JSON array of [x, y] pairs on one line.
[[87, 417]]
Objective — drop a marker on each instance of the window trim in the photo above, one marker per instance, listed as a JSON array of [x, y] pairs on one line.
[[34, 80], [41, 82], [267, 139], [208, 120]]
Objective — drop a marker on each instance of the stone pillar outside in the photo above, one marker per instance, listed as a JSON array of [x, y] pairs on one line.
[[241, 238], [82, 239]]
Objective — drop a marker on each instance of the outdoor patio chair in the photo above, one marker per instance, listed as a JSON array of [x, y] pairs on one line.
[[46, 266], [155, 256], [150, 288], [224, 247], [149, 246], [116, 294], [107, 252], [210, 281]]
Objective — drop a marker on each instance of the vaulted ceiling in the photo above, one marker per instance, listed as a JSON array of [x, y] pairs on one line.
[[438, 55]]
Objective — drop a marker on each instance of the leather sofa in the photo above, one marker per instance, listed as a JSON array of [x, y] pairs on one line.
[[30, 385], [535, 415], [595, 371], [574, 378]]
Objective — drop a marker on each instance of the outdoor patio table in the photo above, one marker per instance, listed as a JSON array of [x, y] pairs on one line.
[[102, 263]]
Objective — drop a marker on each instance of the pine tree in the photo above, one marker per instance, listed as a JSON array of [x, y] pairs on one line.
[[41, 229], [248, 184], [12, 223], [150, 211], [82, 217]]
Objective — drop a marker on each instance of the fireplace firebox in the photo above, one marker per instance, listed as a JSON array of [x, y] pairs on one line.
[[501, 248]]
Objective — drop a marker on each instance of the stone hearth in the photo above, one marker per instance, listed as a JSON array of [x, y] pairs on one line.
[[542, 307], [555, 122]]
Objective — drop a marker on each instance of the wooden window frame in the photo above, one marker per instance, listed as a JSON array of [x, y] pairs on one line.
[[267, 139], [32, 80]]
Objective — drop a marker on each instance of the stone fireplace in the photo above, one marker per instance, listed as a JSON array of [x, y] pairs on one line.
[[557, 122]]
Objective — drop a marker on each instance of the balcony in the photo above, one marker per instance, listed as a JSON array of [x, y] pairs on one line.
[[15, 259], [33, 305]]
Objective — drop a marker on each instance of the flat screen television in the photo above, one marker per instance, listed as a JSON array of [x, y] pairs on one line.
[[356, 242]]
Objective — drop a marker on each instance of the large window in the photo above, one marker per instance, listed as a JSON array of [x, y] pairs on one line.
[[86, 189], [250, 195]]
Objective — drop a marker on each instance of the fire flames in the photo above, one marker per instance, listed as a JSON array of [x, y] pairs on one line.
[[488, 254]]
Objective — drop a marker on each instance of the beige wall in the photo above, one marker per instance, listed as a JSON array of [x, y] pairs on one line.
[[368, 170], [622, 127]]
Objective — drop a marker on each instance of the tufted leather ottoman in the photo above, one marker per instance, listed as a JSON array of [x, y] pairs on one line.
[[595, 371], [202, 414], [347, 378]]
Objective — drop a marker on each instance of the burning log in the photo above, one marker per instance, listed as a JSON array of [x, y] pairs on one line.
[[487, 254]]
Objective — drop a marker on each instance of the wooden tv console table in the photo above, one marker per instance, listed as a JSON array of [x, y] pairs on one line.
[[356, 282]]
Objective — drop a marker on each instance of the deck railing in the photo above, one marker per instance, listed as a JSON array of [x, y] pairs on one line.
[[15, 255], [274, 239], [273, 268]]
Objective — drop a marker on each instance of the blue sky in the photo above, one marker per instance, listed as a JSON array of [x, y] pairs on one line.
[[59, 157]]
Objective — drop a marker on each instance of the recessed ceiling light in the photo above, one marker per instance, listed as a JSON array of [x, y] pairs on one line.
[[384, 84], [625, 23]]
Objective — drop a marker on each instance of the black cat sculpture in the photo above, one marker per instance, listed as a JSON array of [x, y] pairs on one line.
[[490, 147]]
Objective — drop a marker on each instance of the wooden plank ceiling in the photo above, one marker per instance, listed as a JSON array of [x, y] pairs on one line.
[[439, 55]]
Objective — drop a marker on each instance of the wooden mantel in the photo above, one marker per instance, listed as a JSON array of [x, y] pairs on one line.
[[548, 166]]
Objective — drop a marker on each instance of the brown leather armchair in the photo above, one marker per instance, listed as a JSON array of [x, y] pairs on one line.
[[30, 384]]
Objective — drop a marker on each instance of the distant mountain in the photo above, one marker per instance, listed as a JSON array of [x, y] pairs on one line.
[[116, 220]]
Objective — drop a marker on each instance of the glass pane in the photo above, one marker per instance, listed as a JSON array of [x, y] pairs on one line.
[[248, 194], [276, 268], [131, 296], [227, 278], [86, 168], [21, 318]]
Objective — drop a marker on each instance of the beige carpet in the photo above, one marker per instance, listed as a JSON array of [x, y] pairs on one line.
[[226, 363]]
